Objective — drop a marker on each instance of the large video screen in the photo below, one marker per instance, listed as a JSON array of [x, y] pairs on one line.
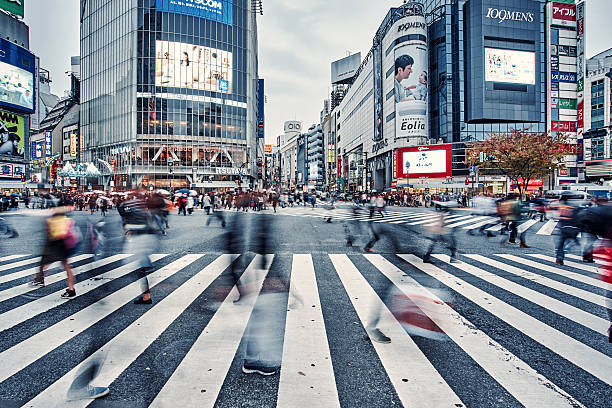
[[509, 66], [220, 11], [191, 66], [16, 86]]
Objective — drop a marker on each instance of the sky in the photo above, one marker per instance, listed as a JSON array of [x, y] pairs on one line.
[[298, 40]]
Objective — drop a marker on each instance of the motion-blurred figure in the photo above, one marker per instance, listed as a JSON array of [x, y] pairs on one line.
[[440, 233], [568, 226], [604, 251], [352, 227], [487, 207], [140, 240], [511, 213], [7, 229]]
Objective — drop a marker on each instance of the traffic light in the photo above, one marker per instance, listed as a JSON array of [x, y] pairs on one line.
[[22, 179]]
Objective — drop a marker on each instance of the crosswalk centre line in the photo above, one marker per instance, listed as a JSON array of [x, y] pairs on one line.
[[558, 271], [209, 359], [11, 257], [131, 342], [31, 309], [548, 228], [525, 384], [17, 264], [401, 358], [542, 280], [588, 320], [305, 348], [56, 277], [31, 271], [590, 360], [575, 265], [28, 351]]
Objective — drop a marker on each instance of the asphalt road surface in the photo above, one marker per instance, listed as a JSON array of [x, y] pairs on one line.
[[502, 327]]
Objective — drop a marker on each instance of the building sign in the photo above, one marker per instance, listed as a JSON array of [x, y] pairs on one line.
[[587, 153], [13, 6], [48, 145], [12, 140], [565, 103], [411, 83], [568, 77], [580, 151], [344, 69], [261, 99], [378, 98], [231, 171], [268, 148], [12, 170], [558, 126], [425, 161], [220, 11], [17, 67], [190, 66], [501, 15], [37, 150], [73, 144], [564, 14], [554, 62]]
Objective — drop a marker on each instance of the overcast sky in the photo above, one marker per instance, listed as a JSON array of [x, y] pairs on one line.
[[298, 40]]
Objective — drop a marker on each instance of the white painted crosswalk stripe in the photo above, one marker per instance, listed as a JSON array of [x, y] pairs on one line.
[[20, 263], [590, 360], [575, 265], [479, 224], [401, 358], [524, 383], [526, 225], [31, 271], [469, 220], [11, 257], [548, 228]]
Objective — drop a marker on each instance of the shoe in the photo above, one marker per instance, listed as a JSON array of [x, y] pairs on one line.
[[610, 334], [523, 245], [453, 260], [512, 242], [490, 234], [141, 301], [37, 283], [378, 336], [426, 259], [69, 294], [258, 369], [588, 260], [370, 250], [559, 262], [88, 393], [15, 234], [349, 243]]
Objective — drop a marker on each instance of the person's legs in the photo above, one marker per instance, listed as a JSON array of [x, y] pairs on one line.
[[560, 247], [69, 273], [513, 232]]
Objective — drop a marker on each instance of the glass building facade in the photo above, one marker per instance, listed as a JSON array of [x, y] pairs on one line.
[[169, 98], [450, 63]]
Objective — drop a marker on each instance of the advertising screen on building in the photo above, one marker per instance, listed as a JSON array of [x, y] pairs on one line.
[[220, 11], [191, 66], [509, 66], [411, 91], [425, 161], [345, 69], [11, 135], [16, 86]]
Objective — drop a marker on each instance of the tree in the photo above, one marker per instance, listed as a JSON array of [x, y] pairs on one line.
[[520, 155]]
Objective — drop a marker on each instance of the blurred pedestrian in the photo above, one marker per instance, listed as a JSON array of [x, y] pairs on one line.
[[440, 233], [568, 227]]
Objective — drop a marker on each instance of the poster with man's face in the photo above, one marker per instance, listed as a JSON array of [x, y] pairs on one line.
[[411, 90], [11, 135]]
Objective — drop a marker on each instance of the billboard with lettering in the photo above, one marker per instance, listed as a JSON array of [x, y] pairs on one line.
[[425, 161], [564, 14], [220, 11]]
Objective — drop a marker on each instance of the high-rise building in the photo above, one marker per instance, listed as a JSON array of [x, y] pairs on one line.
[[169, 91]]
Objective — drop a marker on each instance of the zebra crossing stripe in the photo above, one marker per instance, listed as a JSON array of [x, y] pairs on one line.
[[525, 226], [209, 359], [29, 272], [471, 219], [562, 272], [389, 218], [455, 218], [542, 280], [19, 263], [410, 218], [305, 348], [595, 323], [11, 257], [592, 361], [489, 220], [524, 383], [426, 219], [31, 309], [56, 277], [598, 261], [124, 348], [548, 228], [575, 265], [401, 358], [28, 351], [496, 228]]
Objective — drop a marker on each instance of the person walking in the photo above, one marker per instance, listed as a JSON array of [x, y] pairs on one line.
[[7, 229], [61, 241], [440, 233], [568, 228], [207, 203]]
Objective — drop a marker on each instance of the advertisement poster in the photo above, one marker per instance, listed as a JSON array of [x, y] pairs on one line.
[[181, 65], [378, 99], [411, 90], [509, 66], [425, 161], [564, 14], [220, 11], [16, 86], [12, 135]]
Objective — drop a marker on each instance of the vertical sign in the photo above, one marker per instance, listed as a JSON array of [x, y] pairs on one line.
[[48, 147], [260, 109], [580, 69], [73, 144], [378, 100]]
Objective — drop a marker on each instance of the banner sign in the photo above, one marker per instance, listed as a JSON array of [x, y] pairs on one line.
[[568, 77], [12, 170], [558, 126], [565, 103], [564, 14], [73, 144], [220, 11], [13, 6], [48, 146]]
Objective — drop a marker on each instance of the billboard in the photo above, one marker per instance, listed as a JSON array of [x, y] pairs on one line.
[[425, 161], [17, 67], [510, 66], [261, 99], [220, 11], [378, 98], [13, 6], [411, 90], [182, 65], [12, 170], [344, 70], [12, 135], [564, 14]]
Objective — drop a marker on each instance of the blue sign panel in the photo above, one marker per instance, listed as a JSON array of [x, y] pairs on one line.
[[261, 99], [563, 77], [220, 11], [48, 147]]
